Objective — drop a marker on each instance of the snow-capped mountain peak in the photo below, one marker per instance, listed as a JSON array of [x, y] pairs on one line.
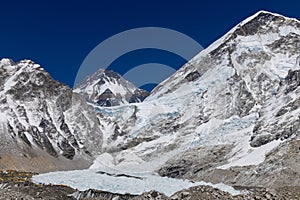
[[259, 20], [108, 88]]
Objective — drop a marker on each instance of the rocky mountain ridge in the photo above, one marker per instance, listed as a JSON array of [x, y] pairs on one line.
[[42, 119]]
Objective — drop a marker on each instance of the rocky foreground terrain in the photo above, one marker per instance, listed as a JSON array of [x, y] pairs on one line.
[[17, 185]]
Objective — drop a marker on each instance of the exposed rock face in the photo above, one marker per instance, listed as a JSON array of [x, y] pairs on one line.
[[40, 115], [192, 163], [107, 88]]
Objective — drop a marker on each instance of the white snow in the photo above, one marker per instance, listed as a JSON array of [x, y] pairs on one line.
[[3, 118], [116, 88], [98, 83], [250, 156], [103, 160], [3, 124], [29, 137], [5, 62]]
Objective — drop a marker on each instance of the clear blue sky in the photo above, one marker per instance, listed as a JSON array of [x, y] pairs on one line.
[[60, 34]]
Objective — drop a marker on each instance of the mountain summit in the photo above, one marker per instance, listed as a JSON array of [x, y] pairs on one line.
[[107, 88]]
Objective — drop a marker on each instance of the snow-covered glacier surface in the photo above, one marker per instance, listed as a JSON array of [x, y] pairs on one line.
[[119, 182], [132, 177]]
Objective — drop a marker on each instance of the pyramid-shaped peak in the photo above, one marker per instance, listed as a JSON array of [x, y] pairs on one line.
[[263, 16], [263, 21]]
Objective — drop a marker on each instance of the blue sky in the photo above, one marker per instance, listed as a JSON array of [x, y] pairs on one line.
[[60, 34]]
